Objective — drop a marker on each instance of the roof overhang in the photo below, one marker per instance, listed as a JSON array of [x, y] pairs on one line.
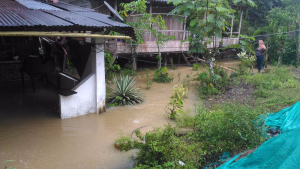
[[62, 34]]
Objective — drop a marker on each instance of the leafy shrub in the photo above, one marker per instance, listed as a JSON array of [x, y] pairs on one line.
[[195, 67], [147, 81], [162, 75], [230, 128], [124, 143], [176, 100], [247, 62], [207, 87], [122, 91]]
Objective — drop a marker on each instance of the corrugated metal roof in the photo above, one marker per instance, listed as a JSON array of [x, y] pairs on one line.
[[101, 18], [31, 18], [78, 19], [49, 19], [37, 5], [11, 4], [70, 7]]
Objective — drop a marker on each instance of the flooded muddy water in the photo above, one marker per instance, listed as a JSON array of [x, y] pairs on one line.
[[32, 134]]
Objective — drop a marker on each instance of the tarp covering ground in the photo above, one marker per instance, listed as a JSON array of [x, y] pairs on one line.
[[280, 152]]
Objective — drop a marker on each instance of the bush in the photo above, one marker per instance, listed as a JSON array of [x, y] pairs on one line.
[[228, 128], [147, 81], [162, 75], [122, 91], [195, 67], [207, 87]]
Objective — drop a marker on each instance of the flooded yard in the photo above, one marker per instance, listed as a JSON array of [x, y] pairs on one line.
[[32, 134]]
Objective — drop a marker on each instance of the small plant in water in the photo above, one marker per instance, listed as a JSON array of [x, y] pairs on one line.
[[147, 81], [176, 101], [195, 67], [162, 75], [122, 91]]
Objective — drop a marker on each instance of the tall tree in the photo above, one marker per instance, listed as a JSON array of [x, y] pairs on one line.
[[145, 22], [208, 20]]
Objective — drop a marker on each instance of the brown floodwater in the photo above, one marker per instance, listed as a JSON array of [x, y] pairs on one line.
[[32, 134]]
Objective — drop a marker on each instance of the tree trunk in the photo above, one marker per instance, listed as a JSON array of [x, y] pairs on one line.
[[159, 59], [133, 54], [281, 53], [211, 69]]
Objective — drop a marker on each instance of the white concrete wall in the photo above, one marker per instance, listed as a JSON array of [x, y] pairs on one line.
[[81, 103], [90, 97]]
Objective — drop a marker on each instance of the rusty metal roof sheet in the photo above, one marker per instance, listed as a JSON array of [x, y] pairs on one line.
[[35, 5], [11, 4], [70, 7], [28, 18]]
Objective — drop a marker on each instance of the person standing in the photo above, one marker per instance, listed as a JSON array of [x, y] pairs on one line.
[[259, 52]]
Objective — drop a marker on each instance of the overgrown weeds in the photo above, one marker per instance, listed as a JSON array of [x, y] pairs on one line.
[[276, 89], [162, 75], [147, 80], [228, 128], [207, 88]]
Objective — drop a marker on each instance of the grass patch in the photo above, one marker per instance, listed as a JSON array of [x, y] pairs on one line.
[[275, 90]]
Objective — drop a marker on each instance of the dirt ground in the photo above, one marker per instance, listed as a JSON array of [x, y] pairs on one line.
[[241, 92]]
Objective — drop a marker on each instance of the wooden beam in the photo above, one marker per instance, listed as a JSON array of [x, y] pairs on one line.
[[215, 64], [267, 51], [62, 34], [240, 25], [185, 59], [231, 25]]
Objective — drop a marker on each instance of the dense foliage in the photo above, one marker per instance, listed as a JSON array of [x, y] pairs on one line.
[[207, 88], [122, 91], [229, 128], [162, 75]]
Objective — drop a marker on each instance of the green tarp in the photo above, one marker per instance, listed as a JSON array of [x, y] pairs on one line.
[[280, 152]]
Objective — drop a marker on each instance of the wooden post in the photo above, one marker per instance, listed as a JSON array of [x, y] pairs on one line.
[[166, 61], [116, 5], [150, 12], [184, 27], [231, 25], [240, 25], [267, 51], [178, 58]]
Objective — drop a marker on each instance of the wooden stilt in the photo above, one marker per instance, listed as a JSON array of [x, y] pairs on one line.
[[178, 58], [166, 61], [185, 59]]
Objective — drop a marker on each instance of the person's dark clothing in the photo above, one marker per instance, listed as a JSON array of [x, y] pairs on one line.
[[260, 61], [259, 52], [259, 57]]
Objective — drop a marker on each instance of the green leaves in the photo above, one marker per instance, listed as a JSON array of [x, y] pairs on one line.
[[122, 91], [193, 22]]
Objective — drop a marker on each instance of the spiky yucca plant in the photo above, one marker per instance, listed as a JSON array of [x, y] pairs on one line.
[[122, 91]]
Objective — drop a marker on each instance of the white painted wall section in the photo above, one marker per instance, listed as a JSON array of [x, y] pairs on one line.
[[100, 75], [81, 103], [90, 97]]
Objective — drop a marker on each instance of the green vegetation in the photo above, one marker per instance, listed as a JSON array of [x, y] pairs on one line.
[[112, 68], [275, 90], [162, 75], [176, 101], [207, 88], [228, 128], [147, 81], [122, 91], [195, 67]]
